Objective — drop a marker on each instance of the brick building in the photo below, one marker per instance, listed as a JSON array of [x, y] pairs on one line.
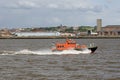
[[110, 30]]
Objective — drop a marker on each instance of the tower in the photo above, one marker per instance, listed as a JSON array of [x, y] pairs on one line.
[[99, 25]]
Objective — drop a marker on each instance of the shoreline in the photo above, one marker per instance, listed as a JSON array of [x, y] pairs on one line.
[[54, 37]]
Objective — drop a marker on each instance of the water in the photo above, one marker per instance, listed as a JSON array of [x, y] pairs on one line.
[[29, 59]]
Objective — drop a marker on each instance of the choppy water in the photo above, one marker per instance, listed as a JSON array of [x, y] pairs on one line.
[[23, 59]]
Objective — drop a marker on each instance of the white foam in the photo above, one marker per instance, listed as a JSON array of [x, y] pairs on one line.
[[24, 51], [49, 52], [76, 52], [45, 52], [6, 52]]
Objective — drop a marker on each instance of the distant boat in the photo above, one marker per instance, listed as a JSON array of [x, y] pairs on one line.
[[72, 45]]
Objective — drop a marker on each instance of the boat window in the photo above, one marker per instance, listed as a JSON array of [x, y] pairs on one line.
[[60, 46], [71, 43]]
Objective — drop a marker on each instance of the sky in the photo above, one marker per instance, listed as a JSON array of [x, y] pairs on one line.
[[46, 13]]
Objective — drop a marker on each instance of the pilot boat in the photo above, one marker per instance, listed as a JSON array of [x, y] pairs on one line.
[[71, 44]]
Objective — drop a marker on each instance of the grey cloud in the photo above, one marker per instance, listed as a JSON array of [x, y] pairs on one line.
[[27, 4], [97, 9], [94, 8], [67, 5], [21, 5], [73, 5]]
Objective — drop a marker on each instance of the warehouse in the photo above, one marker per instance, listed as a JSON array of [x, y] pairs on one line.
[[36, 34], [110, 30]]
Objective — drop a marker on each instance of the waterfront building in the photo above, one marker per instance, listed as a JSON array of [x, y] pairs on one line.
[[36, 34], [67, 35], [110, 30], [5, 33]]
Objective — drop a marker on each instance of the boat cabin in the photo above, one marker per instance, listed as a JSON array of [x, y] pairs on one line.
[[69, 44]]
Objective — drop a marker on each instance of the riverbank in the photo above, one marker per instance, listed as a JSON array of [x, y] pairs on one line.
[[54, 37]]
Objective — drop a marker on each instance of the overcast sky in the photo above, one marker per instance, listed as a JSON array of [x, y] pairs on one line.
[[36, 13]]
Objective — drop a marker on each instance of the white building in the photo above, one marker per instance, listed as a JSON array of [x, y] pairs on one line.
[[36, 34], [67, 34]]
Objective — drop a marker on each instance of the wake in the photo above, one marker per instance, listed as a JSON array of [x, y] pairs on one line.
[[44, 52]]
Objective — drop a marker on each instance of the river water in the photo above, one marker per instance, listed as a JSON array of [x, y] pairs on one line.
[[30, 59]]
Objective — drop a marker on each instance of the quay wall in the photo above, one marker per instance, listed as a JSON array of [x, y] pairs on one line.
[[57, 37]]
